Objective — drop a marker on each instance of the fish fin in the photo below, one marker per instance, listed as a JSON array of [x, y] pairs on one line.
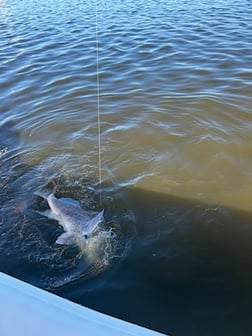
[[65, 238], [43, 193], [48, 213], [93, 223], [46, 190]]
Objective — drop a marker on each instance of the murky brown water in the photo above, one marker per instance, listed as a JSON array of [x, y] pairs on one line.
[[176, 148]]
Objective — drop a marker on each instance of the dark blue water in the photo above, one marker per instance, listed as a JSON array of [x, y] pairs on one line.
[[174, 252]]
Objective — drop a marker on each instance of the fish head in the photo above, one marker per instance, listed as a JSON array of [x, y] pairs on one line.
[[91, 226]]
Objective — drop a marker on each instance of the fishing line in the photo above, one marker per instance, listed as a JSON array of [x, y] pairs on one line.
[[98, 96]]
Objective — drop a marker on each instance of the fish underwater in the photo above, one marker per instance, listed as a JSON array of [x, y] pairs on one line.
[[78, 223]]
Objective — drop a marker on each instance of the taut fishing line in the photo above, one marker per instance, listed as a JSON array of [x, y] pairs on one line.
[[98, 97]]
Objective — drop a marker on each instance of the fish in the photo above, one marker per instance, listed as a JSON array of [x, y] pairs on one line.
[[78, 224]]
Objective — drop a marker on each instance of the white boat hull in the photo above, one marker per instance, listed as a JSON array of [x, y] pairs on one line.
[[26, 310]]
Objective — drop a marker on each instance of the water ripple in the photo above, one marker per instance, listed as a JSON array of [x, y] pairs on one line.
[[176, 118]]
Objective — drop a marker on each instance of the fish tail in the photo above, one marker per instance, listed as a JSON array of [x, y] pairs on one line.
[[46, 190]]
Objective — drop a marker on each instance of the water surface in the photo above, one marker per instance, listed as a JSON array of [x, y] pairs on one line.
[[176, 148]]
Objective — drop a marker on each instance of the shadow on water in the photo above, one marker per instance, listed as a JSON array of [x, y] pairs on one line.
[[189, 272], [186, 271]]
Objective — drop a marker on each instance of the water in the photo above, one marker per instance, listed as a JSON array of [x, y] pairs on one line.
[[174, 253]]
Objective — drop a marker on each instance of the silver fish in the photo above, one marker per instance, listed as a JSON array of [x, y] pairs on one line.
[[78, 224]]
